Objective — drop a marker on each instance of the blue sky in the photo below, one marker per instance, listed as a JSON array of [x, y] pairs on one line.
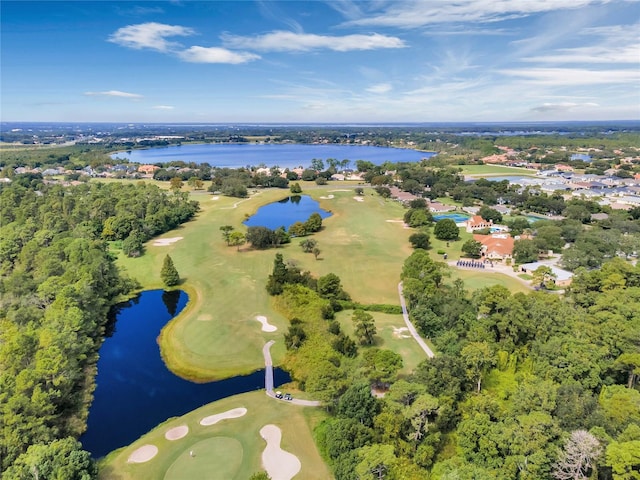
[[316, 61]]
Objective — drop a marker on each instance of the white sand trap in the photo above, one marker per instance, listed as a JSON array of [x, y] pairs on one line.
[[143, 454], [358, 199], [213, 419], [215, 198], [164, 242], [401, 332], [176, 432], [395, 221], [328, 197], [266, 326], [339, 190], [205, 317], [280, 465]]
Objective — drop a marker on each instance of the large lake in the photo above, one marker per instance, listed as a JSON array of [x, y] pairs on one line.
[[282, 155], [135, 390]]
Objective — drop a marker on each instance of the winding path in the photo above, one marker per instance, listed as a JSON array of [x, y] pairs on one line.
[[410, 326], [268, 379]]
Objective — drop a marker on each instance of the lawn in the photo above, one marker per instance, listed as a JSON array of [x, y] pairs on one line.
[[475, 280], [230, 449], [217, 335], [482, 170], [392, 335]]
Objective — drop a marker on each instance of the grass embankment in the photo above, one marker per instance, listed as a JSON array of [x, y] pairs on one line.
[[228, 450]]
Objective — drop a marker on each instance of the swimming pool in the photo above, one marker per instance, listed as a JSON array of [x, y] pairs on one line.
[[456, 217]]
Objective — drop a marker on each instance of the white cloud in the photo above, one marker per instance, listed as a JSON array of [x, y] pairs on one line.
[[197, 54], [380, 88], [283, 41], [163, 107], [574, 77], [562, 107], [595, 54], [418, 13], [114, 93], [149, 35]]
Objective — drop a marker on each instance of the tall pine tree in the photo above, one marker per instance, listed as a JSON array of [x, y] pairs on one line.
[[169, 274]]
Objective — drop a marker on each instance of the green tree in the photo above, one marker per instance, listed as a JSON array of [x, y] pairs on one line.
[[260, 476], [489, 213], [168, 273], [624, 458], [237, 239], [316, 252], [472, 248], [478, 358], [176, 183], [308, 245], [381, 365], [446, 229], [364, 327], [314, 223], [419, 240], [543, 276], [295, 188], [60, 459], [226, 232], [525, 251]]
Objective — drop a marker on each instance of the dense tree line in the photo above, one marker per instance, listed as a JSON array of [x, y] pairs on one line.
[[57, 283]]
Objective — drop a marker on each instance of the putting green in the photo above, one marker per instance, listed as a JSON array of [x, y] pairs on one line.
[[213, 458]]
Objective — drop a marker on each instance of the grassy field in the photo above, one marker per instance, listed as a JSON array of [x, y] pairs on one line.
[[228, 450], [217, 335], [390, 337], [482, 170]]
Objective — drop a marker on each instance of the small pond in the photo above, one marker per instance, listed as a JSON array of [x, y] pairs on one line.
[[456, 217], [297, 208], [135, 390]]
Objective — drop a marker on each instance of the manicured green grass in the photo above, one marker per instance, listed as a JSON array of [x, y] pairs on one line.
[[482, 170], [390, 336], [475, 280], [229, 450], [217, 335]]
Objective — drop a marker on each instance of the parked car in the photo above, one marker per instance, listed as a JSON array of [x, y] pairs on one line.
[[287, 396], [278, 394]]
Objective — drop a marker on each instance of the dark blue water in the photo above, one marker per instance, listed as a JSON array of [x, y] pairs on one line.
[[283, 155], [135, 390], [297, 208]]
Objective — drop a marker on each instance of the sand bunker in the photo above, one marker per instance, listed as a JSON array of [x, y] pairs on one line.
[[395, 221], [401, 332], [280, 465], [205, 317], [266, 326], [358, 199], [339, 190], [213, 419], [143, 454], [176, 432], [163, 242], [328, 197], [215, 198]]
